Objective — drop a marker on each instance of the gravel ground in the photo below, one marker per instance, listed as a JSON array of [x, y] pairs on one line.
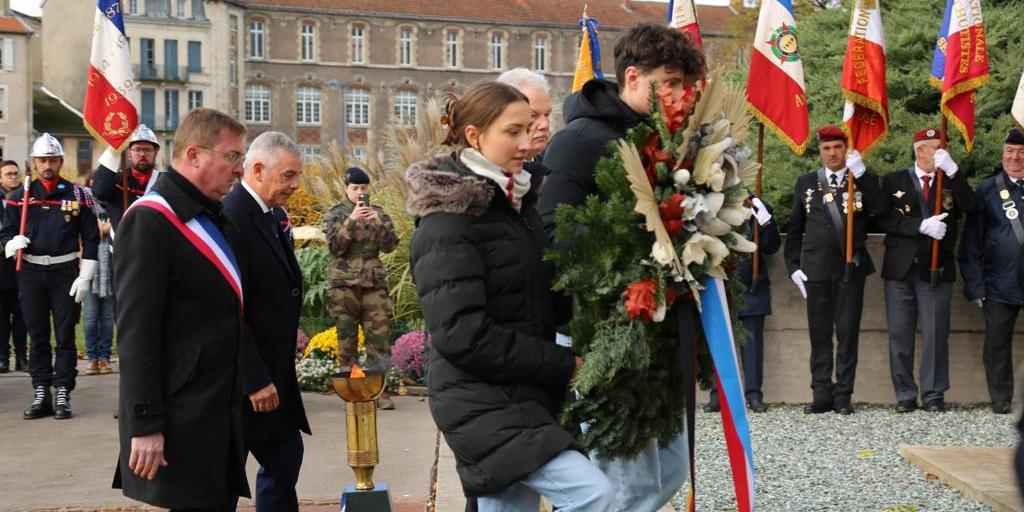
[[828, 462]]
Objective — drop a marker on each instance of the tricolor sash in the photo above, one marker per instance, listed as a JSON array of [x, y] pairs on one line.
[[204, 235]]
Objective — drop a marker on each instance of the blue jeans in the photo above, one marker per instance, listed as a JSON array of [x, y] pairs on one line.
[[648, 481], [569, 481], [98, 325]]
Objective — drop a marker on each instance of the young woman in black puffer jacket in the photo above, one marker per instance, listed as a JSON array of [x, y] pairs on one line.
[[496, 376]]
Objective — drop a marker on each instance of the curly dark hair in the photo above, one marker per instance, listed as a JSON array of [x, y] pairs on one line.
[[648, 46]]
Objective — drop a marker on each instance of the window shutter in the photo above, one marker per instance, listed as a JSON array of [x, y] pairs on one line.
[[8, 53]]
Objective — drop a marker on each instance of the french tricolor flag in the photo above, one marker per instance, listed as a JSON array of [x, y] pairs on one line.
[[960, 63], [110, 112], [682, 15], [866, 114], [776, 93]]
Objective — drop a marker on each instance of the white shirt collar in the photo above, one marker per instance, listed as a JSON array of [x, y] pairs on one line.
[[921, 174], [840, 174], [263, 206]]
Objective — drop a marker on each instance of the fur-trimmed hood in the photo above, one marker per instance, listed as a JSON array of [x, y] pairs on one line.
[[442, 184]]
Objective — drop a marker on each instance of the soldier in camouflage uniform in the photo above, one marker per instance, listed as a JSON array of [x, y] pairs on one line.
[[358, 287]]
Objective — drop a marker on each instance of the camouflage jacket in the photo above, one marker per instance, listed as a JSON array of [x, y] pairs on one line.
[[356, 246]]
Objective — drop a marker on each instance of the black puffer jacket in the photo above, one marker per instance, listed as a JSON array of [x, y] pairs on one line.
[[496, 376]]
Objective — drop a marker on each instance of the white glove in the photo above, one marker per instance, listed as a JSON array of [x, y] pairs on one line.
[[855, 164], [980, 302], [933, 226], [761, 212], [110, 160], [799, 278], [83, 283], [18, 242], [945, 162]]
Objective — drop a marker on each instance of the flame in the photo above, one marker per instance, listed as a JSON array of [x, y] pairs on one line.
[[357, 372]]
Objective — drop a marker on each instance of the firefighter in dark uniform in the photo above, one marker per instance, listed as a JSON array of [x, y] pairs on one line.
[[816, 257], [992, 264], [60, 222], [108, 180], [911, 298]]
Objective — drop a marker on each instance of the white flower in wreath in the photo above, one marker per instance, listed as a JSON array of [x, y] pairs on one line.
[[681, 177], [659, 314], [661, 253], [734, 215], [740, 244], [701, 248], [693, 205]]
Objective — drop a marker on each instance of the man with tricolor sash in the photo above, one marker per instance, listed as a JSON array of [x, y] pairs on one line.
[[45, 224], [911, 299], [815, 255], [992, 264], [179, 415]]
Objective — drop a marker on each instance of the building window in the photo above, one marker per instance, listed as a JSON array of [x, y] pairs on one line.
[[357, 44], [257, 104], [195, 100], [357, 108], [359, 153], [6, 53], [497, 47], [181, 8], [405, 46], [148, 116], [309, 152], [451, 49], [195, 57], [133, 6], [307, 38], [171, 109], [147, 58], [256, 39], [171, 59], [3, 103], [405, 107], [233, 70], [307, 105], [540, 53], [83, 152]]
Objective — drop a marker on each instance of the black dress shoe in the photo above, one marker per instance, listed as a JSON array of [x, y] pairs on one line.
[[844, 408], [1001, 407], [905, 406], [62, 408], [817, 408], [757, 406], [20, 364], [5, 367], [42, 405], [712, 407], [935, 406]]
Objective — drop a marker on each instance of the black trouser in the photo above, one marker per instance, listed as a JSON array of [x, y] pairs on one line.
[[834, 306], [11, 326], [1000, 318], [280, 461], [45, 292]]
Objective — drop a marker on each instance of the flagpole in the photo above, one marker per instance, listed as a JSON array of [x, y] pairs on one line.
[[124, 181], [757, 193], [934, 273], [848, 275]]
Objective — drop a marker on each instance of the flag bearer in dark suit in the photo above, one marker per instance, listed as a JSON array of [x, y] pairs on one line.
[[910, 298], [992, 264], [273, 416], [60, 222], [758, 301], [816, 256]]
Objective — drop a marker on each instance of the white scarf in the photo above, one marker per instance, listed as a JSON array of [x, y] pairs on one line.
[[515, 186]]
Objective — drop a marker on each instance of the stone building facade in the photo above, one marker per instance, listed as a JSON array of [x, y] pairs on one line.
[[328, 71], [15, 86]]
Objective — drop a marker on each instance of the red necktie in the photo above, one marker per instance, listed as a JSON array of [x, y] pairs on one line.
[[926, 190]]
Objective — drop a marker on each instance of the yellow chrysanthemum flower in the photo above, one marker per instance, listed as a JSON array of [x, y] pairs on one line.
[[327, 342]]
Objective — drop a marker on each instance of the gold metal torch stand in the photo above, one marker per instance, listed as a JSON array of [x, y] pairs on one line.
[[360, 396]]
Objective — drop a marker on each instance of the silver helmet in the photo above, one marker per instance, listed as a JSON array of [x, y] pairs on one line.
[[47, 145], [144, 134]]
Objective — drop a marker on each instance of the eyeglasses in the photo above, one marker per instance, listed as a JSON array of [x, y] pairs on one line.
[[143, 151], [233, 157]]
